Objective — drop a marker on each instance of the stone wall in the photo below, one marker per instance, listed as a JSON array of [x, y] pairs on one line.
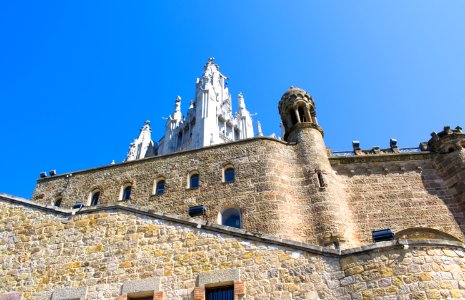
[[399, 194], [266, 187], [451, 168], [45, 252], [416, 273], [278, 192]]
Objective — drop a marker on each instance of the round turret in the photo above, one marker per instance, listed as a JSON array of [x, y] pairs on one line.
[[297, 107]]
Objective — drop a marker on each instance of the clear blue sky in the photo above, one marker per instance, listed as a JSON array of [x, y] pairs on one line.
[[79, 78]]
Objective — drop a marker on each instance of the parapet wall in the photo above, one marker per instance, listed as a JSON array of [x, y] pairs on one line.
[[398, 192], [102, 253]]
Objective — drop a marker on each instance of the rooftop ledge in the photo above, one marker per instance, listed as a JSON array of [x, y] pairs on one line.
[[181, 152], [333, 159], [242, 233]]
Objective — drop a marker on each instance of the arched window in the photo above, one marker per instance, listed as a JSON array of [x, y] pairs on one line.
[[293, 116], [126, 195], [194, 181], [160, 187], [229, 175], [95, 198], [231, 217], [421, 233], [58, 201], [302, 116]]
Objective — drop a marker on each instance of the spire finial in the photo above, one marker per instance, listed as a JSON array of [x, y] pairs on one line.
[[240, 99], [146, 126], [259, 129], [177, 104], [210, 63]]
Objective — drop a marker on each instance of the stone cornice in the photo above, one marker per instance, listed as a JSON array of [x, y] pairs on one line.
[[339, 160], [342, 160], [242, 233], [159, 157]]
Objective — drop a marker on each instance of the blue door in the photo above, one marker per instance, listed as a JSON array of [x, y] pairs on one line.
[[220, 293]]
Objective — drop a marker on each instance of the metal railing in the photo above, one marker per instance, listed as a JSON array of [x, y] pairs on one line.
[[352, 153]]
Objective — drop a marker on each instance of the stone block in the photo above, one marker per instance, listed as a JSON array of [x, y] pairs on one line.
[[70, 294], [158, 296], [239, 288], [11, 296], [219, 276], [141, 286], [199, 293]]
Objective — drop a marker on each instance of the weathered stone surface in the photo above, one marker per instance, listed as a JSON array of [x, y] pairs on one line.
[[11, 296], [70, 294], [208, 278], [107, 250], [144, 285], [278, 192]]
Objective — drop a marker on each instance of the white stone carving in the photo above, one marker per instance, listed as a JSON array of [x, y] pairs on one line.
[[143, 146], [259, 129], [210, 119]]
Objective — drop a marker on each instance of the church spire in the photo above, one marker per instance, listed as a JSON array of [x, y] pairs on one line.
[[210, 119], [177, 109], [259, 129], [143, 146]]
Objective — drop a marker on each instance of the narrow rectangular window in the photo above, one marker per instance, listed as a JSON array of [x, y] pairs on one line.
[[58, 202], [321, 179], [220, 293]]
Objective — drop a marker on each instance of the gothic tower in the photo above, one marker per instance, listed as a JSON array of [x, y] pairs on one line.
[[327, 205], [210, 119], [143, 146]]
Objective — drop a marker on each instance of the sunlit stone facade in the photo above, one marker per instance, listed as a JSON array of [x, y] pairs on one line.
[[281, 219]]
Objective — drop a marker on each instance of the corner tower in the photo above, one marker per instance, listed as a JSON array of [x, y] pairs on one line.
[[449, 145], [326, 200]]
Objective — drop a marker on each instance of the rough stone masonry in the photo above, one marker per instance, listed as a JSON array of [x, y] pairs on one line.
[[305, 219]]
